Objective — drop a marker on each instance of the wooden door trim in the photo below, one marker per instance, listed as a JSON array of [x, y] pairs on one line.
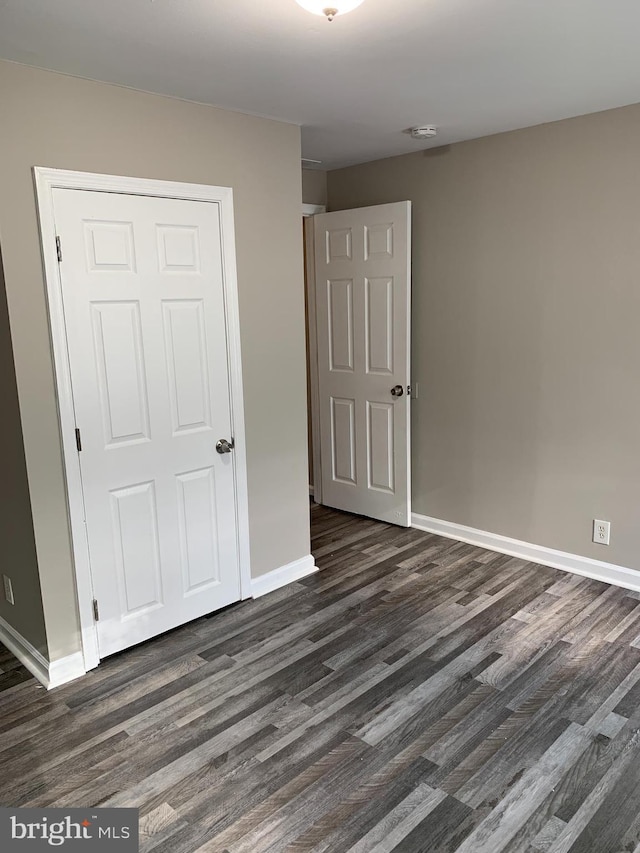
[[46, 180], [312, 209], [309, 210]]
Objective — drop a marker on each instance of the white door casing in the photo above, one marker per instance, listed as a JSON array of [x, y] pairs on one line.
[[147, 286], [308, 212], [363, 294]]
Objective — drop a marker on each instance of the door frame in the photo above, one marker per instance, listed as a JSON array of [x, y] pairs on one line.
[[308, 211], [46, 180]]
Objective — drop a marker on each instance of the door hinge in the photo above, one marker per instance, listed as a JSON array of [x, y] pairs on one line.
[[59, 249], [96, 612], [78, 440]]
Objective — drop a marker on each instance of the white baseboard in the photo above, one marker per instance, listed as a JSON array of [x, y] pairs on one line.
[[27, 654], [49, 674], [66, 669], [281, 577], [585, 566]]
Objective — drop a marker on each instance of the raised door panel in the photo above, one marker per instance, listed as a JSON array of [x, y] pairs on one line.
[[378, 241], [197, 514], [109, 246], [120, 371], [340, 310], [137, 548], [379, 325], [178, 248], [339, 244], [188, 374], [343, 440], [380, 465]]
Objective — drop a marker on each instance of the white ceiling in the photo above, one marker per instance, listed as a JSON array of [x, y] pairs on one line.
[[471, 67]]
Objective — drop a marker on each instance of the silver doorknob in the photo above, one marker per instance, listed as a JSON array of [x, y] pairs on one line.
[[397, 391], [224, 446]]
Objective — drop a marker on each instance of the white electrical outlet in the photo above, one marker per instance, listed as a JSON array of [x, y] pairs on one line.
[[601, 531], [8, 589]]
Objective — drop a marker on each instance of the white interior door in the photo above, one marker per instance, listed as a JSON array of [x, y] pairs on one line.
[[142, 285], [363, 297]]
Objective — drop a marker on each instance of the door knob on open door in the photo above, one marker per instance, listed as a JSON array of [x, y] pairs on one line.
[[224, 446], [397, 391]]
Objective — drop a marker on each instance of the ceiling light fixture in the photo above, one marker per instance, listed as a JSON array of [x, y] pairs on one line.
[[329, 8]]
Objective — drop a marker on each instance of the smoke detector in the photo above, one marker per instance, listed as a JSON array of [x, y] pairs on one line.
[[427, 131]]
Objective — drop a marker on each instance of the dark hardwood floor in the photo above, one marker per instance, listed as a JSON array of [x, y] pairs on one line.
[[418, 694]]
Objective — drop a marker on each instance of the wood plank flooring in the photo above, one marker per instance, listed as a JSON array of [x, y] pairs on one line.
[[418, 695]]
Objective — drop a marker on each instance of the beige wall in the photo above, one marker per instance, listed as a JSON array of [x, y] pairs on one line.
[[526, 328], [314, 187], [57, 121], [18, 551]]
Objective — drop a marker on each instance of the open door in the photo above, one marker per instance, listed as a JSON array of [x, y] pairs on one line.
[[363, 317]]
